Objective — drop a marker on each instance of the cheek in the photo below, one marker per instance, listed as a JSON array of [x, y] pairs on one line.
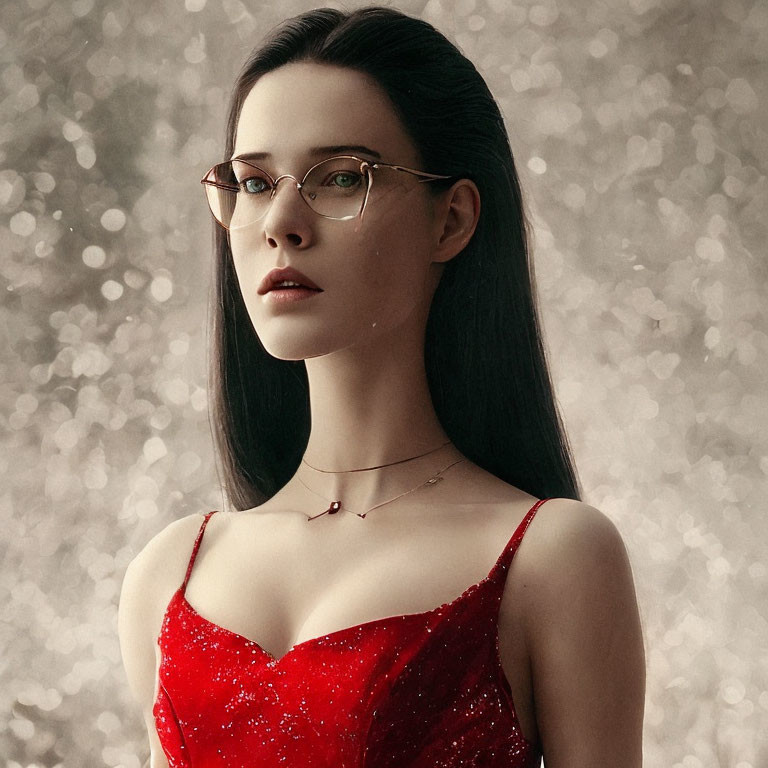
[[249, 273], [240, 245], [250, 261], [247, 276], [393, 265]]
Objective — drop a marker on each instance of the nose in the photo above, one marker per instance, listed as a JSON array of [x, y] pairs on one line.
[[288, 220]]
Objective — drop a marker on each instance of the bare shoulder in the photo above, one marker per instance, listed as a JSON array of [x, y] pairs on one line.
[[584, 637], [567, 521], [571, 552], [166, 554], [153, 575], [148, 584]]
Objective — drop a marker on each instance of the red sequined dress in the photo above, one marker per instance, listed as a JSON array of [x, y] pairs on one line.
[[421, 690]]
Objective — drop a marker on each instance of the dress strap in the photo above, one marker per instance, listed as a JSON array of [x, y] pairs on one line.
[[509, 550], [195, 548]]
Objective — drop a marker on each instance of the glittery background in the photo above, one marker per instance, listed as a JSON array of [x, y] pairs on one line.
[[639, 127]]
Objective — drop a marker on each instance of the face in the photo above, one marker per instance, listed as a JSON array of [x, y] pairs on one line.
[[375, 273]]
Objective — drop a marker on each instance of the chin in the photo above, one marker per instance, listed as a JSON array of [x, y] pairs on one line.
[[292, 351], [295, 346]]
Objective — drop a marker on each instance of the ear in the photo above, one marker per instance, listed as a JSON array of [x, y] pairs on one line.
[[456, 214]]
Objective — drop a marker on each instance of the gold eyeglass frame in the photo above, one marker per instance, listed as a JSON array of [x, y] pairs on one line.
[[366, 167]]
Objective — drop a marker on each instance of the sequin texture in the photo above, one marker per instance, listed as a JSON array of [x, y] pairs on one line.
[[423, 690]]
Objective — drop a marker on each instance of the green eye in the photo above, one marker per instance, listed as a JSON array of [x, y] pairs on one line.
[[254, 185], [345, 179]]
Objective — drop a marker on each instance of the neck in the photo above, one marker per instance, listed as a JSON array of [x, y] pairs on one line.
[[370, 406]]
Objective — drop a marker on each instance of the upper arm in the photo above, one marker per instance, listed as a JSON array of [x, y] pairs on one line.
[[149, 581], [584, 639]]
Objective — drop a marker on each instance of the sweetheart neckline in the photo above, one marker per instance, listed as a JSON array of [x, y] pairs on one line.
[[383, 620], [517, 535], [344, 630]]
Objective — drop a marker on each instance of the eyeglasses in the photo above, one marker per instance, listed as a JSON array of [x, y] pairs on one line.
[[240, 193]]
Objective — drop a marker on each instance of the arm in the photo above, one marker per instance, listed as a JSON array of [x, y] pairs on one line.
[[149, 581], [137, 633], [582, 628]]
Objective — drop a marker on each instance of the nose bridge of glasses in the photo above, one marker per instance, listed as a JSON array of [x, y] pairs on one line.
[[286, 176], [273, 193], [296, 183]]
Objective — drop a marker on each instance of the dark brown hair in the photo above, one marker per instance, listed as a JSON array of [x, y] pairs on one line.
[[484, 357]]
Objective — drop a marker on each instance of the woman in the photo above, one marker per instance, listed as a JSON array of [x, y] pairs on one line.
[[386, 426]]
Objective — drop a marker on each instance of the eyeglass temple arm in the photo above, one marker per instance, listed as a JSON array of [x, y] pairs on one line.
[[218, 184], [221, 185], [426, 176]]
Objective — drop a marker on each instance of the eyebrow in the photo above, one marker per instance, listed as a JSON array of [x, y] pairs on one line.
[[315, 151]]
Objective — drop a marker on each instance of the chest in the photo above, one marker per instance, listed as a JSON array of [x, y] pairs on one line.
[[412, 692], [283, 586]]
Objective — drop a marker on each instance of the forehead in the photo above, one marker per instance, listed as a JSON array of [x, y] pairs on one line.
[[303, 105]]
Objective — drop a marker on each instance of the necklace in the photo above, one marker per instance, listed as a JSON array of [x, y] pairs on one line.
[[335, 506]]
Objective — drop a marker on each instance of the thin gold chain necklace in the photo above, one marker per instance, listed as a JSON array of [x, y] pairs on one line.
[[335, 506]]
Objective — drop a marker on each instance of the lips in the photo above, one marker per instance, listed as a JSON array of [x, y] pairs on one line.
[[286, 273]]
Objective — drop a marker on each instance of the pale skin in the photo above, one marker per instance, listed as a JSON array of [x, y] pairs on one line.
[[570, 635]]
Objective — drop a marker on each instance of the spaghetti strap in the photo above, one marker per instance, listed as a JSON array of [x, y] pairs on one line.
[[526, 521], [509, 550], [195, 548]]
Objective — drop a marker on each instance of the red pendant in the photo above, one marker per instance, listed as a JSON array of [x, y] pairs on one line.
[[334, 508]]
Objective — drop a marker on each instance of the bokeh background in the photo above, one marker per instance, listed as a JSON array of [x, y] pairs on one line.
[[639, 128]]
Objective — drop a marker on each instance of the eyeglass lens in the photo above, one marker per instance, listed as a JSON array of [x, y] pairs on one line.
[[335, 188]]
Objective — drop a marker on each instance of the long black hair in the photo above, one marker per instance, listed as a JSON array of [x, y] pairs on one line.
[[485, 361]]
